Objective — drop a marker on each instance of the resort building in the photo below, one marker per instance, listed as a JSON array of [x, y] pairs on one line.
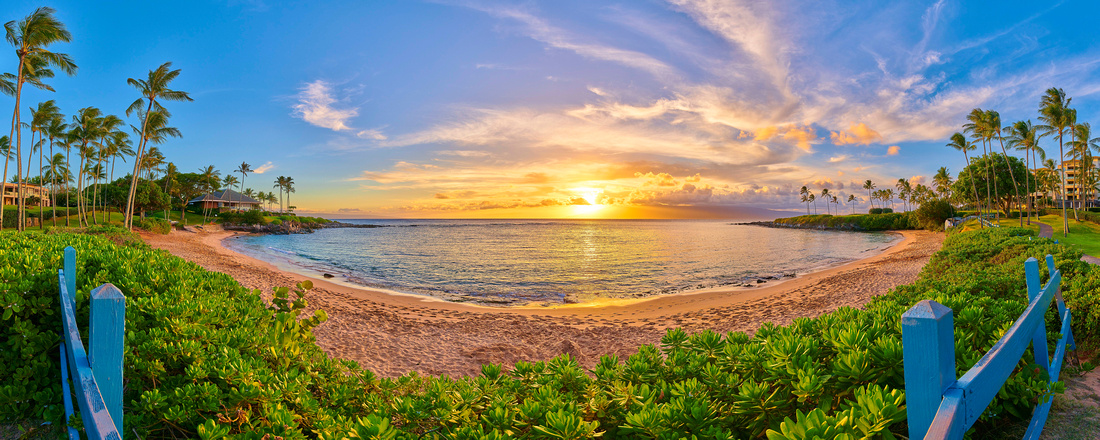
[[227, 199], [1074, 185], [11, 194]]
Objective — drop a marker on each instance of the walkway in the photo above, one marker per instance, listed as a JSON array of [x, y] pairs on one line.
[[1045, 231]]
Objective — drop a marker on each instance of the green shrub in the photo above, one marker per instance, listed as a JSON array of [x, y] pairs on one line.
[[157, 225], [932, 214], [276, 222], [206, 358], [857, 222]]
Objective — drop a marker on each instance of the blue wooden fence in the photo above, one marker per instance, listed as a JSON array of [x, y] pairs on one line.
[[941, 407], [97, 373]]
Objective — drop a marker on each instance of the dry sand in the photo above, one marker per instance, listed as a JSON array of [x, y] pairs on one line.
[[394, 334]]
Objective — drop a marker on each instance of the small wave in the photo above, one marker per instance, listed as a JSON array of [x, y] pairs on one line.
[[282, 251]]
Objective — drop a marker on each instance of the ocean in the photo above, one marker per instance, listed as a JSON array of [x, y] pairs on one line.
[[509, 262]]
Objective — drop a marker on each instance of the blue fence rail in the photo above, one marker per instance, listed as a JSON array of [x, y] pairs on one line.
[[939, 406], [96, 373]]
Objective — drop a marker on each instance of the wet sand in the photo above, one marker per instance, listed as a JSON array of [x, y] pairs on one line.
[[393, 334]]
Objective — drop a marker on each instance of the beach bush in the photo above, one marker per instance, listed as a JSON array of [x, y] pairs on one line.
[[932, 214], [276, 222], [156, 225], [857, 222], [207, 358]]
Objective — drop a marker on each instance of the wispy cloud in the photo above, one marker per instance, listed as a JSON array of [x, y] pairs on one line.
[[263, 168], [316, 105]]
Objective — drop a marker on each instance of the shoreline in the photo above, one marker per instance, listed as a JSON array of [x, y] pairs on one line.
[[392, 333]]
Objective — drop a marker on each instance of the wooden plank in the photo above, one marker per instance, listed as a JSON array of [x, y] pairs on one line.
[[97, 421], [66, 393], [928, 356], [106, 334], [949, 423], [1039, 336], [981, 383], [1039, 417], [70, 274]]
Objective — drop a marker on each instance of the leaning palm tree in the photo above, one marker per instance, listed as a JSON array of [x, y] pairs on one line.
[[959, 142], [289, 186], [993, 119], [904, 191], [1054, 112], [152, 89], [851, 202], [811, 197], [55, 171], [31, 36], [869, 185], [942, 180], [825, 195], [1023, 136], [244, 169], [84, 131], [803, 193], [979, 129], [55, 129]]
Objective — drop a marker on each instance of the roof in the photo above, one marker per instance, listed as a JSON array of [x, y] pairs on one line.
[[225, 196]]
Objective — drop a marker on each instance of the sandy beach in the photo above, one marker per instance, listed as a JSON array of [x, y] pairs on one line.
[[394, 334]]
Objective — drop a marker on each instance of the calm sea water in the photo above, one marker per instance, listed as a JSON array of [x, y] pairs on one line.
[[519, 261]]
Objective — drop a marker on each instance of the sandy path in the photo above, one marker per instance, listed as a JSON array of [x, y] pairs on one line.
[[393, 334]]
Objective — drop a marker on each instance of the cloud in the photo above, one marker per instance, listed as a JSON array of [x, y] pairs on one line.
[[840, 158], [857, 134], [893, 150], [315, 106], [349, 210], [375, 134], [263, 168]]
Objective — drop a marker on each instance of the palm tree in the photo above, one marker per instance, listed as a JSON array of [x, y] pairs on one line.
[[209, 184], [280, 182], [170, 172], [942, 180], [56, 129], [837, 203], [1054, 112], [108, 127], [289, 187], [851, 202], [84, 131], [869, 185], [152, 89], [904, 191], [959, 142], [230, 181], [803, 192], [271, 199], [244, 169], [57, 171], [30, 37], [152, 161], [993, 119], [812, 198], [979, 128], [1023, 136], [825, 195]]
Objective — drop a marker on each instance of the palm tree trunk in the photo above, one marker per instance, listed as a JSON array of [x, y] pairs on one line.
[[42, 182], [17, 134], [137, 167], [53, 185], [1062, 157]]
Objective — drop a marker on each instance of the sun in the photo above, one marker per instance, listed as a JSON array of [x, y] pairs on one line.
[[592, 197]]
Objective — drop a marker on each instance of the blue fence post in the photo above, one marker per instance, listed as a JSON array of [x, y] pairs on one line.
[[1039, 338], [928, 356], [70, 273], [107, 329]]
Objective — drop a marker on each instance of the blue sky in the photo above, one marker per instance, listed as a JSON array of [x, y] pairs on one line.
[[556, 109]]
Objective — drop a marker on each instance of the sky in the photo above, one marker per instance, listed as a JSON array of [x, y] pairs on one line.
[[574, 109]]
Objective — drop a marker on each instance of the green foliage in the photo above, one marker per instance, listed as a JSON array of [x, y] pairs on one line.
[[857, 222], [932, 214], [250, 217], [880, 210], [1000, 186], [157, 225], [276, 222], [207, 358]]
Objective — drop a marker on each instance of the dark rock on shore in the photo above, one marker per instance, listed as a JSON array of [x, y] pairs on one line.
[[293, 227], [842, 227]]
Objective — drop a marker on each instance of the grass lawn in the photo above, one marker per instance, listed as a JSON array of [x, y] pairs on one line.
[[1082, 235]]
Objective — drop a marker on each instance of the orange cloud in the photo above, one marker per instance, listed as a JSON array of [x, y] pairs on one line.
[[801, 136], [857, 134], [659, 179], [893, 150]]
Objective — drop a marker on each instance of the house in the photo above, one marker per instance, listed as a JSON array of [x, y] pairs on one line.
[[11, 190], [227, 199]]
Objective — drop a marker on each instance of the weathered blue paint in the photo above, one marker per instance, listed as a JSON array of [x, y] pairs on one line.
[[107, 329], [98, 423], [65, 392], [928, 345], [70, 273], [965, 399], [1039, 337]]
